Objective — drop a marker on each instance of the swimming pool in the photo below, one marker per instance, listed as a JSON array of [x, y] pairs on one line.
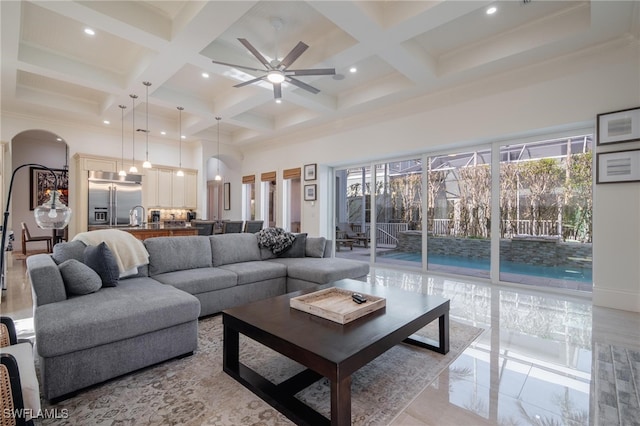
[[555, 272]]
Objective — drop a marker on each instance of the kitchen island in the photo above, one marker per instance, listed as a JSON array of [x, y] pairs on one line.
[[143, 232]]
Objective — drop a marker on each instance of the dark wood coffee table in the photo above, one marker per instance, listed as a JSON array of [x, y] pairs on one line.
[[326, 348]]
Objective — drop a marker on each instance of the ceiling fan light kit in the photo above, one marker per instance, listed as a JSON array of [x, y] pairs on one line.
[[275, 76]]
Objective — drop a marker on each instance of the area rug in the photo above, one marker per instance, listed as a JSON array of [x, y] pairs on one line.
[[195, 391]]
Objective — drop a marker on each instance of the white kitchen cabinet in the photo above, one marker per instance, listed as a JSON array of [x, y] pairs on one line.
[[165, 188], [190, 190]]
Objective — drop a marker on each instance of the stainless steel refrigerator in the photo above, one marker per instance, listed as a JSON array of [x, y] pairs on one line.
[[111, 197]]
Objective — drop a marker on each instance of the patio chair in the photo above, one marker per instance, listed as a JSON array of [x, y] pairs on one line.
[[346, 232], [253, 226]]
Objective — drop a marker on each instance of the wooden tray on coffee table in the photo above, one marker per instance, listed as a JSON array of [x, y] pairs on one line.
[[335, 304]]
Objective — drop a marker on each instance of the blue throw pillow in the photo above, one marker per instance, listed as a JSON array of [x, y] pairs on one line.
[[298, 247], [101, 259]]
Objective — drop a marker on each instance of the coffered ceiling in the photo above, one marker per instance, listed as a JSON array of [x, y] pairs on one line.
[[401, 50]]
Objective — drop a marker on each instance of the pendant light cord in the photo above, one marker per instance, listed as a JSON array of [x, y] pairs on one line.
[[133, 132], [146, 131], [180, 134], [122, 108], [218, 119]]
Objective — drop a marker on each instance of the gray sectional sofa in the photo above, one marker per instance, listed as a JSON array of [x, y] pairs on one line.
[[152, 316]]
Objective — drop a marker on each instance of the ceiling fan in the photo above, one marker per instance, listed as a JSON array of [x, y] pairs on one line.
[[278, 71]]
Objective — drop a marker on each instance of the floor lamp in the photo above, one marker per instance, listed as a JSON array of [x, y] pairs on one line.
[[52, 214]]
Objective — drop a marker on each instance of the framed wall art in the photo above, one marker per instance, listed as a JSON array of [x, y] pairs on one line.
[[310, 171], [618, 166], [618, 126], [310, 192], [227, 196], [42, 181]]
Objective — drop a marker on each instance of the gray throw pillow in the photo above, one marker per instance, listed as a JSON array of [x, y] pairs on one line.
[[79, 278], [70, 250], [101, 259], [315, 246], [298, 247]]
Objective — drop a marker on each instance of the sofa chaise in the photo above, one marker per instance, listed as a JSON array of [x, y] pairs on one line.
[[152, 316]]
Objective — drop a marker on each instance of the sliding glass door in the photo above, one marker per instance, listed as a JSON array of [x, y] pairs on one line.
[[539, 191], [459, 213], [545, 212], [398, 219], [353, 212]]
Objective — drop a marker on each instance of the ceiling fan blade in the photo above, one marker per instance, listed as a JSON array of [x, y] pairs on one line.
[[316, 71], [255, 52], [277, 90], [302, 85], [246, 83], [294, 54], [242, 67]]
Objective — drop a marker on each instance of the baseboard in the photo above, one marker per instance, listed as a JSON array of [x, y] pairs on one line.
[[617, 299]]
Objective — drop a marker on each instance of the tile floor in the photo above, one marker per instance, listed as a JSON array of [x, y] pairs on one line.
[[532, 365]]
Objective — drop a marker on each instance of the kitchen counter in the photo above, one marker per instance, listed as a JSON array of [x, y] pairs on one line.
[[151, 230]]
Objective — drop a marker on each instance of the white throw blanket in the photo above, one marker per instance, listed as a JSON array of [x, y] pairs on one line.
[[129, 251]]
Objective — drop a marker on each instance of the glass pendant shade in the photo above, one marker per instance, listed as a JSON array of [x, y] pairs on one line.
[[52, 214], [146, 165], [180, 173], [218, 178]]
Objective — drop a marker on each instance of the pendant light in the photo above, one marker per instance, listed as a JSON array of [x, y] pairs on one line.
[[147, 164], [133, 168], [180, 172], [218, 177], [122, 172]]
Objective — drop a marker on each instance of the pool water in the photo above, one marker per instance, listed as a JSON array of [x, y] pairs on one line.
[[555, 272]]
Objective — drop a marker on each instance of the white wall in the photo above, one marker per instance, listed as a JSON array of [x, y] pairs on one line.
[[562, 94]]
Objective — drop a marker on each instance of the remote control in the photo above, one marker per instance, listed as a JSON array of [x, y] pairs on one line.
[[358, 298]]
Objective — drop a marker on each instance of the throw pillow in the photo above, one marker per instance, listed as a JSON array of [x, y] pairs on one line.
[[298, 247], [315, 246], [79, 278], [101, 259], [70, 250]]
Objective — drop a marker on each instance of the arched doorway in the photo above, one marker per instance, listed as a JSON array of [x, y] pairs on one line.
[[39, 147]]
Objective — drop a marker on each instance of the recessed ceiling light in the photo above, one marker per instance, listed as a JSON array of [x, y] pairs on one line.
[[205, 74], [353, 69], [106, 122], [183, 137], [491, 10], [278, 100], [89, 31], [59, 139], [163, 132]]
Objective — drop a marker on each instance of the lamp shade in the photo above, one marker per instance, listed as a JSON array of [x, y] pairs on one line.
[[52, 214]]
